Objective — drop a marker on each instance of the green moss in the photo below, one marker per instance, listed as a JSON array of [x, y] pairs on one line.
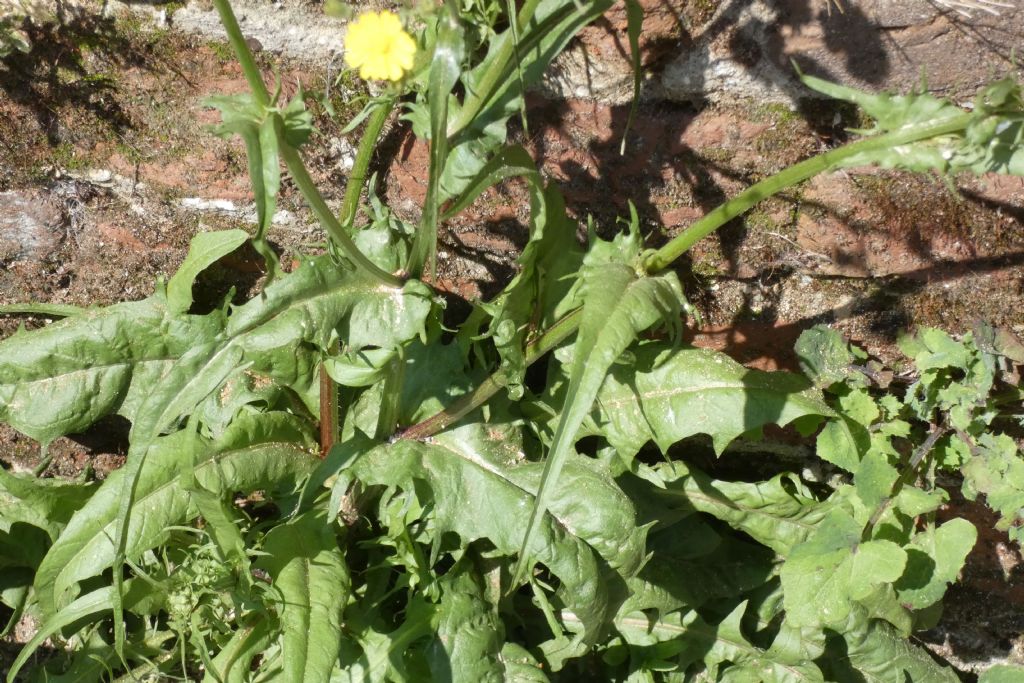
[[65, 156], [222, 50]]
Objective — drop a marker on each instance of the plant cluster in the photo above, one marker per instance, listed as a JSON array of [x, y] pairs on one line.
[[471, 520]]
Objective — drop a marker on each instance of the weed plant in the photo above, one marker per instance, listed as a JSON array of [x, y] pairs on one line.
[[465, 524]]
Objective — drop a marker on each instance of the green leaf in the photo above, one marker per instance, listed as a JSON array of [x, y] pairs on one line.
[[258, 452], [987, 139], [445, 68], [85, 607], [934, 560], [824, 576], [780, 513], [932, 349], [64, 377], [382, 657], [824, 356], [474, 492], [469, 634], [508, 162], [875, 479], [687, 642], [232, 663], [843, 442], [47, 504], [260, 127], [878, 653], [690, 565], [634, 27], [617, 305], [1002, 673], [997, 471], [311, 578], [667, 394], [204, 250], [781, 664], [320, 301], [542, 291]]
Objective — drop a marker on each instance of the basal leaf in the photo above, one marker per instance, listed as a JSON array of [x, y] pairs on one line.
[[232, 663], [382, 658], [85, 607], [47, 504], [687, 643], [469, 634], [62, 378], [780, 513], [312, 581], [666, 395], [618, 304], [204, 250], [258, 452], [320, 301], [691, 564], [585, 542], [875, 651]]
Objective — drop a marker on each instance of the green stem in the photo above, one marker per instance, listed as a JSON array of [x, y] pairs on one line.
[[327, 218], [464, 405], [791, 176], [662, 258], [245, 59], [291, 157], [364, 154]]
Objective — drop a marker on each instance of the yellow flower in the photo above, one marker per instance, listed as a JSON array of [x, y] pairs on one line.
[[377, 45]]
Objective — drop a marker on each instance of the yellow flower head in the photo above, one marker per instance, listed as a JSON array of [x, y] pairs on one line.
[[377, 45]]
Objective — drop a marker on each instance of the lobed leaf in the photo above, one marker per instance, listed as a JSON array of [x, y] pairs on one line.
[[64, 377], [205, 249], [618, 304], [780, 513], [312, 581], [586, 541], [666, 395]]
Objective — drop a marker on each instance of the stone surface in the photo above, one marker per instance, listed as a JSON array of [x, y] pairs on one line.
[[294, 30], [32, 226], [700, 50], [747, 49]]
